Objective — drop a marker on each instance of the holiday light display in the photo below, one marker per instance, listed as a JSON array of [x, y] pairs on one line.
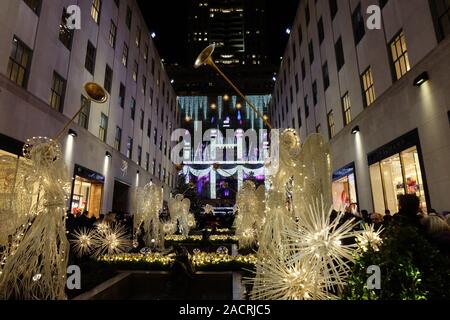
[[83, 242], [114, 241], [369, 238], [147, 203], [250, 215], [179, 211], [301, 253]]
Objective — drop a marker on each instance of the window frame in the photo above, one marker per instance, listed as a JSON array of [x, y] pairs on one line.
[[57, 95], [14, 62], [368, 88]]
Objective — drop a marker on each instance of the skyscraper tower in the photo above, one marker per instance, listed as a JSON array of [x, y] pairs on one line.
[[237, 27]]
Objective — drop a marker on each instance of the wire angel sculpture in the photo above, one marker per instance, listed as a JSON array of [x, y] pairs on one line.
[[179, 207], [299, 243], [147, 203], [250, 219], [35, 263]]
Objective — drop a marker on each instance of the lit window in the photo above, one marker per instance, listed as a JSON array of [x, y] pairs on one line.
[[95, 10], [57, 91], [346, 108], [369, 90], [103, 127], [19, 63], [400, 55]]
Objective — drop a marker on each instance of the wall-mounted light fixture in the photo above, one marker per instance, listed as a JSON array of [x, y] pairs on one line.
[[108, 154], [421, 79], [73, 133], [355, 130]]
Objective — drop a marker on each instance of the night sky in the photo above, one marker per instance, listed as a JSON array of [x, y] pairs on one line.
[[168, 19]]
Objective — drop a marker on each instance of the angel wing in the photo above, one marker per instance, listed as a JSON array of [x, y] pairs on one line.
[[312, 177], [18, 194]]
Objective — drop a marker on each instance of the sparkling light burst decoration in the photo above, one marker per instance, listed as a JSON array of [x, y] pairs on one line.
[[114, 241], [322, 241], [102, 227], [283, 279], [83, 241], [369, 238]]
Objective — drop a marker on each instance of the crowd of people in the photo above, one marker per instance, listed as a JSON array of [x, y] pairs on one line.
[[86, 221], [436, 226]]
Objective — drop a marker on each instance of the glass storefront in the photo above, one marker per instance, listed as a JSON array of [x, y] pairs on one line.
[[87, 193], [87, 197], [344, 190], [394, 176]]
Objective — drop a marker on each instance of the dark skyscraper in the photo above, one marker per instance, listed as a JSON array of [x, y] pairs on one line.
[[237, 27]]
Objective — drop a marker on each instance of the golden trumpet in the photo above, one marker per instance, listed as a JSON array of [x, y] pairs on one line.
[[205, 58], [93, 92]]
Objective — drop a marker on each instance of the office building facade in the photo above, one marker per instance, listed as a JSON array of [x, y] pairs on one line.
[[379, 96], [43, 67]]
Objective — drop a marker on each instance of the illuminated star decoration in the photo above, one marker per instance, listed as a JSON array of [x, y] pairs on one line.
[[320, 241], [113, 241], [369, 238], [103, 227], [279, 278], [83, 242]]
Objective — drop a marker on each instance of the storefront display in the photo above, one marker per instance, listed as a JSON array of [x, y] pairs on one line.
[[394, 176], [87, 193], [344, 189]]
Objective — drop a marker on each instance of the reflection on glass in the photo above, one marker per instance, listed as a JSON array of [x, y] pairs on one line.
[[391, 169], [344, 192]]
